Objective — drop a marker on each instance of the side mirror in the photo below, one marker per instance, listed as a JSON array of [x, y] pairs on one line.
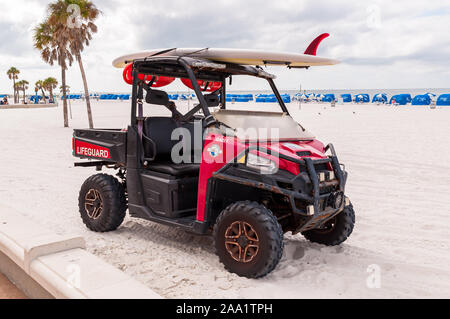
[[157, 97], [212, 100]]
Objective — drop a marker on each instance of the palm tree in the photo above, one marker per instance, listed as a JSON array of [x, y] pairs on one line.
[[22, 86], [13, 75], [50, 84], [68, 93], [52, 41], [39, 85], [67, 88], [78, 35], [36, 95], [17, 89]]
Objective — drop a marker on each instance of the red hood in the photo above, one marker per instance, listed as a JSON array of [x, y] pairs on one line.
[[313, 149]]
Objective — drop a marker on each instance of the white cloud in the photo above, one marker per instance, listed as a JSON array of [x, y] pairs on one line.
[[381, 43]]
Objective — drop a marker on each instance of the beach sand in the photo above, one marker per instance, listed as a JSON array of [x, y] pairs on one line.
[[397, 159]]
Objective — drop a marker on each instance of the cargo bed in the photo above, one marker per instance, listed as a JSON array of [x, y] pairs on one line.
[[101, 144]]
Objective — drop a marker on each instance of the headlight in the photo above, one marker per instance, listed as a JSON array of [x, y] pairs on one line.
[[264, 165]]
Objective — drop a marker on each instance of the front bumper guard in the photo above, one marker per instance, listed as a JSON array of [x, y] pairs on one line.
[[318, 216]]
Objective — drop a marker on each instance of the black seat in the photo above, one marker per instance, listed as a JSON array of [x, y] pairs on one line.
[[159, 130], [175, 169]]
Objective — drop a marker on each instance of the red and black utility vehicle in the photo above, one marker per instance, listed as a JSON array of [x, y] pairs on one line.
[[220, 178]]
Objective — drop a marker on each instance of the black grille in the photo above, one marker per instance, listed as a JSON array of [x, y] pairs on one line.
[[303, 153], [327, 189], [320, 167]]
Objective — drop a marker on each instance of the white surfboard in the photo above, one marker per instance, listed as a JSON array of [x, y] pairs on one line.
[[239, 56]]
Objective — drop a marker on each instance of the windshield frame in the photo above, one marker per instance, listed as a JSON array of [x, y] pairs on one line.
[[196, 69]]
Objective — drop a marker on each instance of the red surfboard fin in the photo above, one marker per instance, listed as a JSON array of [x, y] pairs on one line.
[[312, 48]]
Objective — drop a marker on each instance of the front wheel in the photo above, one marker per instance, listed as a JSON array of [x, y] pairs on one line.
[[335, 231], [248, 239], [102, 203]]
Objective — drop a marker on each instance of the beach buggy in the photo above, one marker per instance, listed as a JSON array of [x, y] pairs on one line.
[[209, 171]]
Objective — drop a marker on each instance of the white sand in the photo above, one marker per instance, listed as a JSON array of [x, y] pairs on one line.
[[398, 161]]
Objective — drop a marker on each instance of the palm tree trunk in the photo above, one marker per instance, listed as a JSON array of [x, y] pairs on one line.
[[63, 80], [43, 96], [14, 87], [86, 91], [24, 96]]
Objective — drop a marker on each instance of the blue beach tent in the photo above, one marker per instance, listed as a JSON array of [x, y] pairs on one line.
[[328, 98], [239, 97], [346, 98], [421, 100], [401, 99], [380, 98], [443, 99], [286, 98], [362, 98], [299, 97]]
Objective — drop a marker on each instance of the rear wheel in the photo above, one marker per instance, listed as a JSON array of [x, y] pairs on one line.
[[248, 239], [335, 231], [102, 203]]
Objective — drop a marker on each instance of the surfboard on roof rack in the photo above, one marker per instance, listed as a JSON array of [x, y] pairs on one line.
[[240, 56]]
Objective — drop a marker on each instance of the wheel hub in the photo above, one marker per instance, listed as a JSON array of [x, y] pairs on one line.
[[241, 241], [93, 203]]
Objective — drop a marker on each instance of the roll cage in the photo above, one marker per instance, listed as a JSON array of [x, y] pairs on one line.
[[193, 69]]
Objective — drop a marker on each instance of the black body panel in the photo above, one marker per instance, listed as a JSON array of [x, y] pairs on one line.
[[168, 196]]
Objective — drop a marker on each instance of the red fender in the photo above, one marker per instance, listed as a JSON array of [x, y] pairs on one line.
[[212, 86], [312, 48], [159, 80]]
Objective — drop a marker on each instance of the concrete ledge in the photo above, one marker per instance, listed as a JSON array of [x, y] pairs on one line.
[[60, 264], [27, 106], [50, 244], [78, 274], [23, 240], [22, 280]]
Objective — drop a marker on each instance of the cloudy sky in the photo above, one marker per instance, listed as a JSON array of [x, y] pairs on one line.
[[382, 44]]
